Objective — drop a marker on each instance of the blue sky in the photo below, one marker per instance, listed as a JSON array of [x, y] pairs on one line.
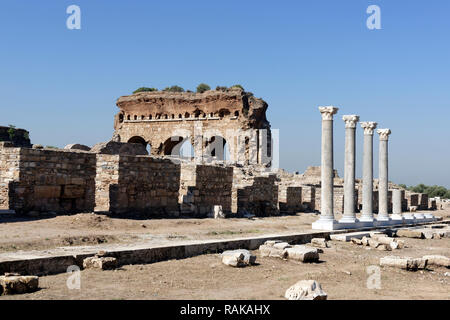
[[62, 84]]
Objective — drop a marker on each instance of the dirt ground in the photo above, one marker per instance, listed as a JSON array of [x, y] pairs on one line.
[[341, 271], [88, 229], [92, 229]]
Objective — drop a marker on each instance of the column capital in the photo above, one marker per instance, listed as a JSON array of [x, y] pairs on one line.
[[384, 133], [369, 127], [328, 112], [350, 120]]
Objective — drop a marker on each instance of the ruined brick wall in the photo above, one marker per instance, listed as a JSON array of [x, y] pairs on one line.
[[52, 180], [309, 197], [138, 184], [290, 199], [412, 199], [9, 172], [204, 186], [255, 194], [164, 120], [423, 201]]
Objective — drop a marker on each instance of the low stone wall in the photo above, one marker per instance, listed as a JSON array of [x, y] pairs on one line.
[[204, 186], [309, 197], [138, 184], [9, 172], [290, 199], [260, 198]]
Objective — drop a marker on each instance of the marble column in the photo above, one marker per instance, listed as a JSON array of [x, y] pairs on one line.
[[383, 180], [349, 169], [397, 204], [326, 220], [367, 193]]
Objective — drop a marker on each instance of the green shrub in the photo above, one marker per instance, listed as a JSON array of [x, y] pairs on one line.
[[11, 131], [238, 86], [220, 88], [202, 87], [144, 89], [174, 89]]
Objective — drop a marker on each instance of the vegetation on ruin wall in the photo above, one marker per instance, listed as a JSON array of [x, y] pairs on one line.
[[202, 87], [144, 89], [432, 191]]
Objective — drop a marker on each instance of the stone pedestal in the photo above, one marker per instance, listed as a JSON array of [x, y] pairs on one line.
[[397, 205], [349, 169], [367, 193], [326, 220]]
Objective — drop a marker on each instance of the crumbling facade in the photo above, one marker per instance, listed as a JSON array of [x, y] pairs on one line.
[[208, 121]]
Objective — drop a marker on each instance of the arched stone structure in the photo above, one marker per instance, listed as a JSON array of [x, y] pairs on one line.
[[234, 115]]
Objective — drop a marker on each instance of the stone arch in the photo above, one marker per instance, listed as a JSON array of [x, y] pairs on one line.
[[137, 139], [224, 112], [176, 146], [140, 140]]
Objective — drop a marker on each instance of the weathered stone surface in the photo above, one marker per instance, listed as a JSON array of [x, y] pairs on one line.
[[271, 251], [104, 263], [410, 233], [306, 290], [438, 260], [77, 146], [405, 263], [356, 241], [281, 245], [18, 284], [218, 212], [238, 258], [302, 253], [120, 148], [319, 242]]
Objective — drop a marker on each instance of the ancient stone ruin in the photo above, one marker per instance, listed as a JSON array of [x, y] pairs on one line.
[[230, 168]]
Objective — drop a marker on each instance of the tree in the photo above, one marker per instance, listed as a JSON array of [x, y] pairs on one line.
[[174, 89], [202, 87], [144, 89]]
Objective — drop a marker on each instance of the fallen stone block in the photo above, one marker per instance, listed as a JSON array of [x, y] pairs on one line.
[[104, 263], [302, 253], [281, 245], [306, 290], [405, 263], [18, 284], [347, 236], [365, 241], [238, 258], [320, 243], [410, 233], [437, 260], [270, 251], [356, 241]]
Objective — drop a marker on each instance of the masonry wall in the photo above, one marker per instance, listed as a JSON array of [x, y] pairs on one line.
[[260, 198], [9, 171], [309, 197], [137, 184], [290, 199], [50, 180]]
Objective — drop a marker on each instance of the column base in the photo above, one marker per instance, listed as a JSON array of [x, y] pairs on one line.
[[419, 216], [429, 216], [345, 219]]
